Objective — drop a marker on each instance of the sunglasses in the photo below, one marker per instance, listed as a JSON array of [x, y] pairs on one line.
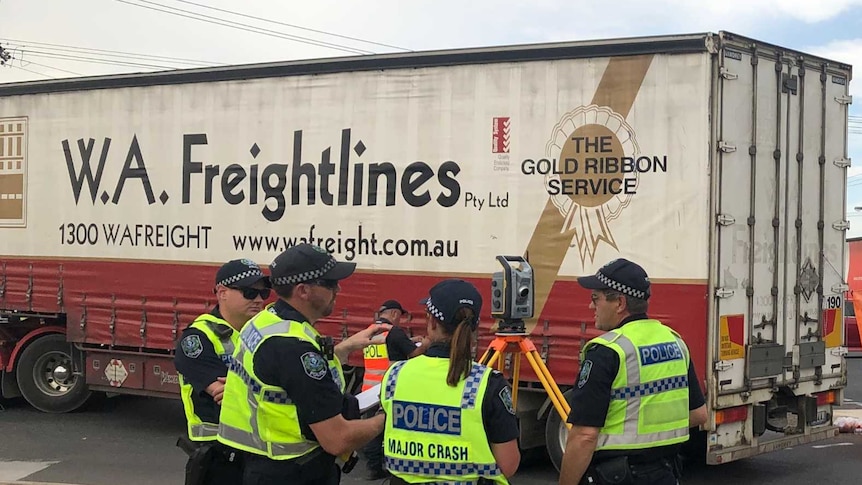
[[328, 284], [252, 293], [609, 296]]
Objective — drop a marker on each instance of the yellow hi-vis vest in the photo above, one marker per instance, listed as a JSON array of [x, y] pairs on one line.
[[434, 432], [225, 340], [649, 395], [260, 418]]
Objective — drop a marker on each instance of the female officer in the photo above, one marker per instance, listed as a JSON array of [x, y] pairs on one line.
[[447, 417]]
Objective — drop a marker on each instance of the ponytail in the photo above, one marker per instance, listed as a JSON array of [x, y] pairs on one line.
[[461, 349]]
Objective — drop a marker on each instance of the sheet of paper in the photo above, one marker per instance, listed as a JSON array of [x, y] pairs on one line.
[[368, 399]]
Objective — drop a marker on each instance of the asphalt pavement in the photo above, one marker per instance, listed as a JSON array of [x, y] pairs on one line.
[[131, 441]]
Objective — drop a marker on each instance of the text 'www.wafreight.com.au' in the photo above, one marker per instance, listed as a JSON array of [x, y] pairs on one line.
[[351, 246]]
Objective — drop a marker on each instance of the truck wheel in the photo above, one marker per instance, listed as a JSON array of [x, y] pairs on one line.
[[45, 375], [556, 433]]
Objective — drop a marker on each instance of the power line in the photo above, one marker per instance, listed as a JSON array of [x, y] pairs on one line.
[[61, 53], [246, 27], [96, 61], [34, 72], [294, 26], [55, 68], [131, 55]]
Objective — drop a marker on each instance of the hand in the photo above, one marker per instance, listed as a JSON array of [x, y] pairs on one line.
[[360, 340], [423, 341], [370, 336], [216, 390]]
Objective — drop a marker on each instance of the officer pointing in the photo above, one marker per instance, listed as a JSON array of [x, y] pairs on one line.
[[283, 399], [637, 393]]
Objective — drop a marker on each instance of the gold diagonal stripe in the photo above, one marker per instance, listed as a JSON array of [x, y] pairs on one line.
[[547, 248]]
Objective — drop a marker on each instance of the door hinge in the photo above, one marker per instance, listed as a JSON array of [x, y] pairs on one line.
[[842, 162], [841, 225], [723, 293], [724, 219], [726, 74], [844, 99], [725, 147], [840, 288], [839, 351], [723, 366]]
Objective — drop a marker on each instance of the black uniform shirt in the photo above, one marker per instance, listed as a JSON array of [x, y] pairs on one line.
[[498, 415], [591, 396], [398, 344], [196, 359]]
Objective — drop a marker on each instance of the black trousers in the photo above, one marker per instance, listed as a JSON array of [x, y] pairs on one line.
[[659, 472], [212, 463], [654, 476], [373, 452], [260, 470]]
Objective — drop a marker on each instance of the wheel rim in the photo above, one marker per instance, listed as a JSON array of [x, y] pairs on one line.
[[563, 434], [53, 374]]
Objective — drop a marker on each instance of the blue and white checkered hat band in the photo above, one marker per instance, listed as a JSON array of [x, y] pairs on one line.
[[434, 311], [240, 276], [306, 276], [624, 289]]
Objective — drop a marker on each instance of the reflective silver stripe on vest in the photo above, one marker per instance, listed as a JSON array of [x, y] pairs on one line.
[[471, 386], [633, 375], [251, 336], [366, 378], [204, 430], [633, 393], [250, 440], [436, 468], [389, 388]]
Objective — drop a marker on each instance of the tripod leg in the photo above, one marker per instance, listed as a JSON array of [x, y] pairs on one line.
[[492, 358], [485, 356], [516, 374], [551, 380], [551, 388]]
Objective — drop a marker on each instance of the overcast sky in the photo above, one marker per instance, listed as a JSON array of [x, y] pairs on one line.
[[47, 38]]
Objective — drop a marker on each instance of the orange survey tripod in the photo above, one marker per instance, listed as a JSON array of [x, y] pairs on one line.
[[512, 339]]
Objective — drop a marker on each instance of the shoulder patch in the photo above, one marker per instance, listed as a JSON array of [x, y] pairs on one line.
[[506, 397], [313, 365], [584, 375], [192, 346]]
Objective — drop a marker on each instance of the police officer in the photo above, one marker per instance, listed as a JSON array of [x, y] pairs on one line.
[[201, 360], [283, 400], [397, 346], [449, 419], [637, 393]]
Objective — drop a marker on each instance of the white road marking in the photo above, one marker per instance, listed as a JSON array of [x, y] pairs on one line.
[[16, 470], [817, 447]]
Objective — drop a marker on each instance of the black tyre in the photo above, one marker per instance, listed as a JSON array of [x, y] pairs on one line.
[[556, 433], [46, 377]]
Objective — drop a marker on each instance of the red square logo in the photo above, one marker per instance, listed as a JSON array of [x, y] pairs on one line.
[[500, 135]]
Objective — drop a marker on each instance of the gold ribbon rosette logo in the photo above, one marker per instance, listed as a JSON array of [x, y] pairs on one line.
[[592, 170], [595, 176]]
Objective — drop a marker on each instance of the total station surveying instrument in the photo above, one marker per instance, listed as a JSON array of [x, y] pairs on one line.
[[512, 301]]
